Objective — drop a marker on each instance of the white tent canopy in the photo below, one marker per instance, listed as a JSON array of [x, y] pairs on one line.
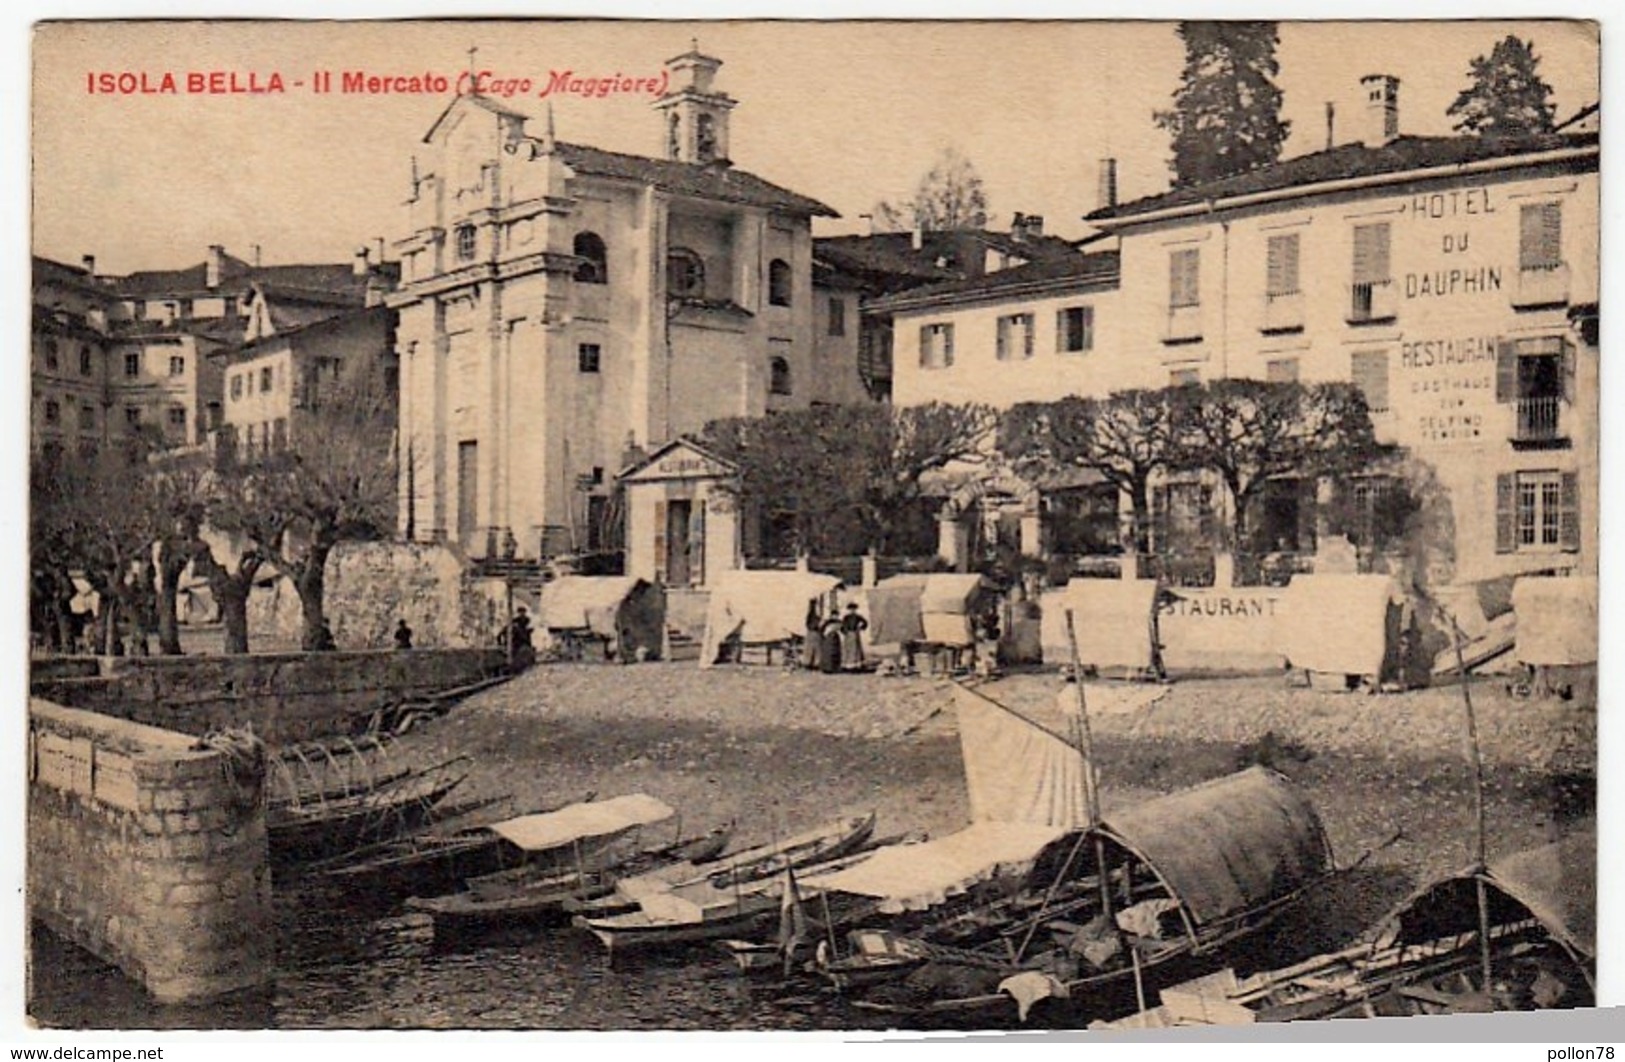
[[1338, 623], [1111, 617], [601, 818], [574, 602], [1557, 620], [760, 607]]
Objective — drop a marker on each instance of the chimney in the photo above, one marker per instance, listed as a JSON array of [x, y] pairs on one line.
[[918, 240], [361, 267], [868, 224], [1035, 226], [213, 265], [1381, 109], [89, 262], [1018, 227], [378, 247], [1331, 121], [256, 256], [1106, 194]]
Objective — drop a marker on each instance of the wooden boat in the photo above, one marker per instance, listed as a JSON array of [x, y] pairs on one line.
[[1187, 875], [701, 910], [428, 861], [536, 895], [1426, 956], [831, 841], [309, 831]]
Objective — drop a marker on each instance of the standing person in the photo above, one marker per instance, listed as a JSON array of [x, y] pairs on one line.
[[812, 644], [519, 647], [829, 645], [403, 634], [852, 627], [324, 639]]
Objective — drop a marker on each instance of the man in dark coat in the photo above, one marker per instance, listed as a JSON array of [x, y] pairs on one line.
[[403, 634]]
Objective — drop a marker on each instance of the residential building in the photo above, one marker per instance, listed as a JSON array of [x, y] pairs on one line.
[[561, 304]]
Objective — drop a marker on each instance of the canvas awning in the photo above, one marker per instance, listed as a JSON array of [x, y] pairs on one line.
[[759, 607], [576, 602], [916, 877], [1111, 618], [950, 593], [600, 818], [1337, 623], [1557, 620], [1228, 845], [1555, 883]]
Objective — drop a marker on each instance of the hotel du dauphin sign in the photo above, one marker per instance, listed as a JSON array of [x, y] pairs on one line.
[[1462, 246]]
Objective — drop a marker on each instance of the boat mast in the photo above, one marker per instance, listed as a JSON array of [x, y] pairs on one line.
[[1480, 862], [1091, 790]]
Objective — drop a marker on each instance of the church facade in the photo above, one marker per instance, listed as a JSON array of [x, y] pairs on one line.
[[564, 309]]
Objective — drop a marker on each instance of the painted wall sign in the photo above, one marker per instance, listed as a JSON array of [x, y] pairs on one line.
[[1449, 387], [1455, 220]]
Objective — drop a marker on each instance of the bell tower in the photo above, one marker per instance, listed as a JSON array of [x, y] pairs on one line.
[[694, 117]]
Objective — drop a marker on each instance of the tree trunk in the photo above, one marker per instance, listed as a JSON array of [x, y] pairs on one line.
[[232, 596], [172, 558], [311, 584], [108, 621], [1140, 501]]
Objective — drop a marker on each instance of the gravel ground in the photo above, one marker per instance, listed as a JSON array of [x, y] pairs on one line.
[[780, 751]]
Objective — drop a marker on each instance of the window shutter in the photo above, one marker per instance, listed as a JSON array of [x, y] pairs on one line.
[[1568, 370], [1540, 235], [1061, 335], [1184, 278], [1371, 253], [1568, 524], [1001, 340], [1086, 320], [1506, 372], [1506, 514], [947, 344], [925, 345], [1282, 267], [1369, 371], [660, 542], [696, 542]]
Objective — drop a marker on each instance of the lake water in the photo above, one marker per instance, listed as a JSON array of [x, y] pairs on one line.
[[340, 968]]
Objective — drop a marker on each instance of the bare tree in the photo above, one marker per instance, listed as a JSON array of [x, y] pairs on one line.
[[949, 196], [1125, 437]]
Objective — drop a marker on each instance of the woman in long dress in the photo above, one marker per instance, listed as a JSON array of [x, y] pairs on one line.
[[852, 627]]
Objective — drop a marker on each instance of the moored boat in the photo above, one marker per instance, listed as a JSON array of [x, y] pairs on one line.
[[305, 832]]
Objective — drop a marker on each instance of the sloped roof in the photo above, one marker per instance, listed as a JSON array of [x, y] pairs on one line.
[[320, 280], [1346, 162], [1100, 267], [885, 253], [706, 181], [49, 269], [307, 328]]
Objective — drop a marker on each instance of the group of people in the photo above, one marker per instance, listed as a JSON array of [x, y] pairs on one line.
[[834, 643]]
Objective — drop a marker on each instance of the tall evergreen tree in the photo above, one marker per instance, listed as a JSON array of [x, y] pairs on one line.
[[1226, 117], [1506, 95]]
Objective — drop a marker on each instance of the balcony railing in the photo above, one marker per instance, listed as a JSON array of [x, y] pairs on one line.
[[1371, 302], [1283, 312], [1538, 420], [1542, 285]]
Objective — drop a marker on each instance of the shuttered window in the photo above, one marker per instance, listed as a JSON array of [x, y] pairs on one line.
[[1371, 253], [1075, 329], [1369, 371], [1282, 270], [1015, 337], [1540, 236], [1537, 511], [1184, 278], [936, 346]]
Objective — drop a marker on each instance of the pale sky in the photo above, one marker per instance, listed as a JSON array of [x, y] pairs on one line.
[[846, 112]]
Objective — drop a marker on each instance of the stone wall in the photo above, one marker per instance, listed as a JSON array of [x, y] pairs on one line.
[[149, 852], [284, 697], [370, 585]]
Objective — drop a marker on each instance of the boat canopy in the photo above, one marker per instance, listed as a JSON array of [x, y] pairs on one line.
[[1555, 883], [1229, 845], [916, 877], [599, 818]]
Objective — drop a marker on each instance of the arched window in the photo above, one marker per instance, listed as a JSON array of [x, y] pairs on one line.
[[685, 273], [778, 377], [465, 243], [594, 268], [778, 282], [705, 138], [84, 361], [51, 361]]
